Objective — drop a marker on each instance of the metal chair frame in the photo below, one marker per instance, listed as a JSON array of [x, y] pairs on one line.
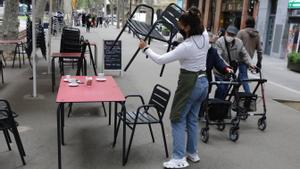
[[168, 18], [152, 113]]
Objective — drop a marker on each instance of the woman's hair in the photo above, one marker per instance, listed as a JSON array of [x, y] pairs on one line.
[[193, 19]]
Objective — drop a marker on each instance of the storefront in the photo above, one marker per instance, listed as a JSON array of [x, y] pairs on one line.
[[231, 13], [294, 26], [221, 13]]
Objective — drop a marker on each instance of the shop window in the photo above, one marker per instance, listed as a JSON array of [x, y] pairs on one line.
[[273, 6], [193, 3], [211, 16], [231, 13]]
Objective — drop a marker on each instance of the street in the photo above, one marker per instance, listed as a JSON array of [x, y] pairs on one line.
[[89, 138]]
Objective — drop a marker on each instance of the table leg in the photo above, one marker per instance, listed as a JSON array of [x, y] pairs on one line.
[[124, 140], [96, 55], [62, 124], [53, 72], [59, 135], [115, 127], [109, 113]]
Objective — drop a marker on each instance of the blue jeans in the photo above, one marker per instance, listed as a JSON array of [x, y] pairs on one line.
[[243, 75], [222, 89], [189, 121]]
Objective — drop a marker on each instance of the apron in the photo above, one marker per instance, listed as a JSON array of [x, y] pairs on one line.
[[185, 86]]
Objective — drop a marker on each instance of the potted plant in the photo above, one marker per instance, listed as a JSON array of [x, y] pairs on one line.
[[294, 61]]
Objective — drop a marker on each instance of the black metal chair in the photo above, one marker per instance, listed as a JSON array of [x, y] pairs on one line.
[[168, 19], [8, 123], [1, 71], [152, 113]]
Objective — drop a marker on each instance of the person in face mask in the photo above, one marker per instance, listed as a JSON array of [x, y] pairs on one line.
[[232, 50]]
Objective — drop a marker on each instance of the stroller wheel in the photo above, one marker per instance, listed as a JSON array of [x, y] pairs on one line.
[[235, 121], [221, 126], [262, 124], [204, 135], [233, 134]]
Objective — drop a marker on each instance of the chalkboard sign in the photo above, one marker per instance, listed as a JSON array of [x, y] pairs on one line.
[[112, 57]]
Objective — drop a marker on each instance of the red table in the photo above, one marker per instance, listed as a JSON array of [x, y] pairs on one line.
[[107, 91]]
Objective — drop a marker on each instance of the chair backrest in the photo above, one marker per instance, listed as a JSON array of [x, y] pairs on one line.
[[160, 98], [5, 110], [70, 39], [170, 16]]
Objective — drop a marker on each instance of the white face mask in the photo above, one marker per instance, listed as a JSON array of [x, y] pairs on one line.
[[229, 39], [209, 45]]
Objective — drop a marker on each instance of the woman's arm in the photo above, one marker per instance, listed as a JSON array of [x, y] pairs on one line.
[[178, 53]]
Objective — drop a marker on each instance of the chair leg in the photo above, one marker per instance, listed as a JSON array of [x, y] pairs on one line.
[[117, 131], [70, 109], [103, 106], [29, 58], [164, 139], [130, 143], [150, 128], [1, 71], [14, 58], [19, 55], [3, 58], [22, 49], [19, 144], [7, 138]]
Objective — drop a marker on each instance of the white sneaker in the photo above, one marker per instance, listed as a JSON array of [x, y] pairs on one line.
[[193, 157], [176, 163]]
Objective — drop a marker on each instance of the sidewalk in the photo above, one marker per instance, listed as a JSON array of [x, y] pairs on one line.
[[89, 138]]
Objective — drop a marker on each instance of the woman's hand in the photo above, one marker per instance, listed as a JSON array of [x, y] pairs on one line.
[[142, 44]]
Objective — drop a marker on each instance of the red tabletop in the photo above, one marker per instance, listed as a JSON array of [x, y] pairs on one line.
[[98, 92], [66, 54]]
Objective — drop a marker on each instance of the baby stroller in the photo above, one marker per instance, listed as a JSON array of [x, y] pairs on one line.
[[218, 112], [247, 102]]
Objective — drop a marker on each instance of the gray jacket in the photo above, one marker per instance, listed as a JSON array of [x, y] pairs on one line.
[[237, 50], [251, 39]]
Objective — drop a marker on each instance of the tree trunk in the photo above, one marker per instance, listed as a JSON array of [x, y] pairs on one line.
[[40, 9], [10, 26]]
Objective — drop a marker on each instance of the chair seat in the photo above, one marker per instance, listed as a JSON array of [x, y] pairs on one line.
[[143, 29], [3, 115], [143, 118]]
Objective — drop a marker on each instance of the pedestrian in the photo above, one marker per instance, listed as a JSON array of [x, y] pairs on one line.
[[232, 50], [192, 86], [88, 22], [83, 19], [100, 18], [213, 61], [93, 20], [251, 39]]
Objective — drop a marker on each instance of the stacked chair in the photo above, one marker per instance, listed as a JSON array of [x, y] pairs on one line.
[[70, 42], [8, 124], [40, 40], [168, 19]]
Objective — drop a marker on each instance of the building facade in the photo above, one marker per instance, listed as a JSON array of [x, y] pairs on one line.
[[221, 13], [272, 23], [271, 19]]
